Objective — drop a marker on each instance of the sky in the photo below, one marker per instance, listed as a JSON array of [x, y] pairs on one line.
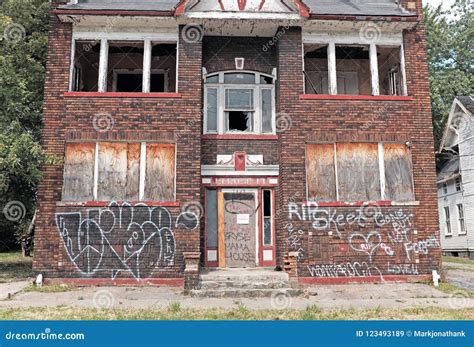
[[446, 3]]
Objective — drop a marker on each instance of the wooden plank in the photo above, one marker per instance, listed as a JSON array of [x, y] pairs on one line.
[[398, 172], [160, 172], [221, 228], [321, 172], [119, 167], [358, 171], [79, 172]]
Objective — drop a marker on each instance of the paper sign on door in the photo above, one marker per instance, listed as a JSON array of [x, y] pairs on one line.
[[243, 219]]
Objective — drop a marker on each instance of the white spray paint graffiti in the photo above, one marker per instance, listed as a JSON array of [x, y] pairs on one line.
[[122, 238], [402, 269], [369, 245], [355, 269], [294, 240], [421, 246]]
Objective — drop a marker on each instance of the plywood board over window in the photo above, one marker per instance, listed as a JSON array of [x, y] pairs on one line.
[[320, 172], [398, 172], [79, 172], [119, 167], [160, 171], [358, 171]]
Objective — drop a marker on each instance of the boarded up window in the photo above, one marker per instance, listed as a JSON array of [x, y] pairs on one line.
[[119, 171], [358, 171], [320, 172], [398, 173], [79, 172], [160, 170]]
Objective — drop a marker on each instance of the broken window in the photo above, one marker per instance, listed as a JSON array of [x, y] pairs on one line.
[[239, 102], [119, 171], [316, 69], [353, 70], [85, 69], [239, 110], [267, 218], [390, 71], [125, 66], [359, 172], [163, 68]]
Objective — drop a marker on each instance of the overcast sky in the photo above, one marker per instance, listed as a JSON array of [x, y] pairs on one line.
[[446, 3]]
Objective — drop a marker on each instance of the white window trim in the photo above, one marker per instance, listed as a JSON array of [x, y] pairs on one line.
[[393, 40], [221, 112], [381, 166], [104, 38], [461, 232], [271, 219], [447, 221]]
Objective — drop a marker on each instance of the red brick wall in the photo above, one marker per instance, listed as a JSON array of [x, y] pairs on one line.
[[71, 118], [267, 148], [314, 120]]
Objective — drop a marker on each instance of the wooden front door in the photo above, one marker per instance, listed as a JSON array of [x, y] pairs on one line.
[[240, 223]]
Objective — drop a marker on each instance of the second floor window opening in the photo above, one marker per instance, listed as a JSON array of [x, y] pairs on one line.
[[239, 103]]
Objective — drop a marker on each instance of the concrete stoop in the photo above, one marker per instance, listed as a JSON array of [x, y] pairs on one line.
[[221, 283]]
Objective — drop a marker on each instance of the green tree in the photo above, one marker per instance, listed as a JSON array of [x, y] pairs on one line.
[[451, 57], [23, 46]]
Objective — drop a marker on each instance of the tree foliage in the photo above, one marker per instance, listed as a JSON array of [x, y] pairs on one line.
[[451, 57], [23, 43]]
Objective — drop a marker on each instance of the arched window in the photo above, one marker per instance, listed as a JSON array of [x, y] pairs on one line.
[[239, 102]]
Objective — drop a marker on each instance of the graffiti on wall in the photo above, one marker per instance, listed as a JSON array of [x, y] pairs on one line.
[[122, 237], [364, 231]]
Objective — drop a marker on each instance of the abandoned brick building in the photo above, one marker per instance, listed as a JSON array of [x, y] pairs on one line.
[[198, 135]]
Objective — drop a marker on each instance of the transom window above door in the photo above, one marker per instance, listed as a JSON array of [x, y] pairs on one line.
[[239, 102]]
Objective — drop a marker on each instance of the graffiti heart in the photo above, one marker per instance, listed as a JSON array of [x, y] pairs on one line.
[[122, 238], [368, 245]]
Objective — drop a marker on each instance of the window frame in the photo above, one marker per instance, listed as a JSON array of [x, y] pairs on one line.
[[148, 39], [142, 172], [347, 39], [461, 219], [458, 184], [221, 87], [116, 72], [447, 222], [381, 167]]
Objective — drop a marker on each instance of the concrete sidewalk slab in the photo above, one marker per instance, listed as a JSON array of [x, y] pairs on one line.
[[11, 288]]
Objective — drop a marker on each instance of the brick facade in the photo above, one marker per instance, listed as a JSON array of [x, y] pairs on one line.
[[323, 254]]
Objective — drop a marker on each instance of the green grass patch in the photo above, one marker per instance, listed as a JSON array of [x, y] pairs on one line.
[[458, 260], [14, 267], [54, 288], [449, 288], [237, 313]]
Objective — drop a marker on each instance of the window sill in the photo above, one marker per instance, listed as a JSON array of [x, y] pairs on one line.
[[384, 203], [238, 137], [355, 97], [122, 95], [106, 203]]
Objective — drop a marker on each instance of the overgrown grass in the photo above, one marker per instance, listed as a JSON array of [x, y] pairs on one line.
[[54, 288], [458, 260], [237, 313], [449, 288], [13, 267]]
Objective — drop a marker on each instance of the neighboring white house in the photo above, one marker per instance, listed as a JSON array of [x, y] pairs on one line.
[[456, 180]]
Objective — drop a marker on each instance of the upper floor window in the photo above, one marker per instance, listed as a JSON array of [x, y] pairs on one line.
[[239, 103], [354, 69], [123, 66], [457, 181]]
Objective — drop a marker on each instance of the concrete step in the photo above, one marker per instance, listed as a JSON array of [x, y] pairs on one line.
[[250, 275], [243, 284], [243, 292]]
